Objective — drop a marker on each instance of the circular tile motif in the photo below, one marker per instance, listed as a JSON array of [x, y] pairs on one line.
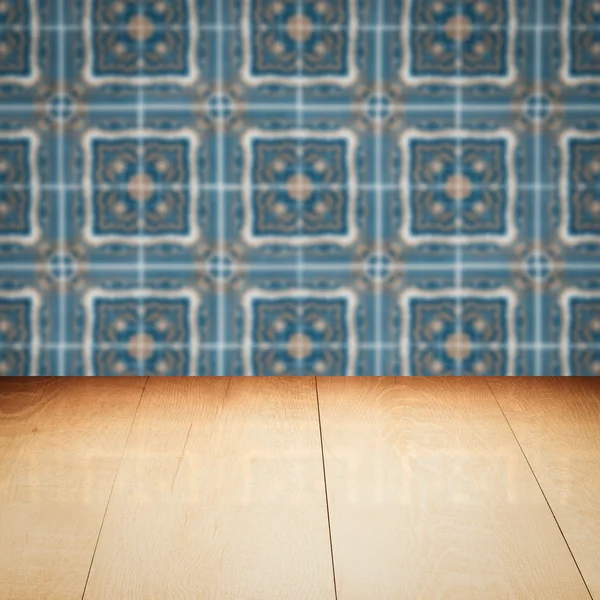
[[61, 107], [538, 266], [220, 107], [141, 187], [378, 107], [537, 107], [299, 27], [221, 267], [378, 267], [62, 266]]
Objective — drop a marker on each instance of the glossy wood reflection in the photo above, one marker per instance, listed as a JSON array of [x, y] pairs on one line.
[[296, 488], [557, 422], [61, 441], [220, 495], [431, 497]]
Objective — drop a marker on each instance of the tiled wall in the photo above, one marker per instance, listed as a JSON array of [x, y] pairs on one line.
[[299, 186]]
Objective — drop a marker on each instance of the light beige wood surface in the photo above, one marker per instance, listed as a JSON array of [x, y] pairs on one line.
[[431, 498], [220, 495], [60, 445], [211, 488], [557, 422], [19, 396]]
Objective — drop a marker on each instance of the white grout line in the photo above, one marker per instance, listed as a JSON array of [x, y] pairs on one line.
[[284, 266], [420, 105], [400, 27], [538, 197], [458, 361], [379, 192], [300, 169], [62, 209], [221, 195], [364, 187], [141, 206], [368, 346]]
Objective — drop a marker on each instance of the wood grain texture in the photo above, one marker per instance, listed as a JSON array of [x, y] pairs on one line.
[[60, 445], [430, 496], [557, 423], [220, 496], [19, 396]]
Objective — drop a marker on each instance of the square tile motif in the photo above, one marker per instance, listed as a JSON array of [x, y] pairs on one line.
[[372, 187], [458, 184], [581, 332], [141, 332], [299, 187], [581, 42], [19, 42], [132, 42], [19, 187], [465, 42], [580, 193], [142, 186], [475, 329], [19, 337], [287, 42], [299, 331]]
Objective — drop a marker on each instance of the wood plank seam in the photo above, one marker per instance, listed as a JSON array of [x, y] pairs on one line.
[[113, 487], [541, 489], [326, 496], [248, 499]]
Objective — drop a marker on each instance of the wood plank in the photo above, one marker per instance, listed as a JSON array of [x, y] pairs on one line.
[[430, 496], [18, 397], [63, 439], [220, 495], [557, 423]]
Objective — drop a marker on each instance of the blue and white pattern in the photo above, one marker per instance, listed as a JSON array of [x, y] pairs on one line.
[[140, 42], [299, 43], [19, 187], [368, 187], [433, 343], [580, 192], [294, 332], [19, 337], [19, 33], [300, 187], [581, 332], [581, 42], [465, 42], [128, 333], [141, 184], [460, 184]]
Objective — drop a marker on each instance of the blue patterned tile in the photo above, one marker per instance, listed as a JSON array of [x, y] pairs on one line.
[[19, 187], [19, 326], [314, 45], [581, 42], [299, 186], [144, 186], [284, 318], [148, 333], [580, 193], [581, 332], [147, 43], [470, 41], [121, 323], [484, 344], [19, 42], [459, 184], [324, 187], [299, 331]]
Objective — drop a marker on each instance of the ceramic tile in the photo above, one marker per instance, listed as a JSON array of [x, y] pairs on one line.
[[372, 187]]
